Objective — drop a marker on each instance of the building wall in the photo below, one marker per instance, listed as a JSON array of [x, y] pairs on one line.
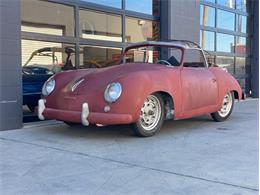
[[10, 65], [184, 20], [180, 20]]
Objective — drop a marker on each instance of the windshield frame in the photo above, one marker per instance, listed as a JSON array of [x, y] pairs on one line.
[[154, 45]]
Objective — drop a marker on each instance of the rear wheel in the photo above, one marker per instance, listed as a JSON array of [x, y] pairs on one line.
[[151, 116], [226, 109]]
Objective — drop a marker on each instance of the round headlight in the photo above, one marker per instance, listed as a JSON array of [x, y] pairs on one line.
[[48, 87], [113, 92]]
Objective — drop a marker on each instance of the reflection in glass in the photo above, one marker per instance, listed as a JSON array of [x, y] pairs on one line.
[[240, 66], [141, 30], [225, 43], [207, 16], [52, 55], [226, 62], [100, 26], [240, 45], [241, 23], [225, 20], [111, 3], [207, 40], [47, 18], [143, 6], [241, 5], [228, 3], [99, 57]]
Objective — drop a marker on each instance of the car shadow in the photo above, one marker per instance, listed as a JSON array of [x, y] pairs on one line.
[[91, 132], [125, 131]]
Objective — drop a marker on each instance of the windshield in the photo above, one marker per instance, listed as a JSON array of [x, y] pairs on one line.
[[171, 56]]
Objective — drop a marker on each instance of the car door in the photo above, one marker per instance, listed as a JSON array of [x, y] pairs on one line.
[[199, 85]]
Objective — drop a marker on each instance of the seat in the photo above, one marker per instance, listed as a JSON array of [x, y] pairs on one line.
[[173, 61]]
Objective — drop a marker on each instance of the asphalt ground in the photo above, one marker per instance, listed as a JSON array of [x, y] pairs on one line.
[[193, 156]]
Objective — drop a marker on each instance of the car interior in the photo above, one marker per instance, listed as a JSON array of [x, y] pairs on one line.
[[173, 61], [194, 58]]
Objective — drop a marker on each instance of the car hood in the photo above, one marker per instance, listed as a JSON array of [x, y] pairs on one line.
[[93, 79], [119, 70]]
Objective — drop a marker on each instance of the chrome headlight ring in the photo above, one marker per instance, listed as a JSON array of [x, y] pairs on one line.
[[113, 92]]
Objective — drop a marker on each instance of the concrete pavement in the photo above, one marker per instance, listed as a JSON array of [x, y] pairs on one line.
[[193, 156]]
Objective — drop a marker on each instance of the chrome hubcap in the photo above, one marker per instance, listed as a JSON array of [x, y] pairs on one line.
[[150, 113], [226, 105]]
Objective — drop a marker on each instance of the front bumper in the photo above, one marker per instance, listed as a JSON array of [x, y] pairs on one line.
[[85, 117]]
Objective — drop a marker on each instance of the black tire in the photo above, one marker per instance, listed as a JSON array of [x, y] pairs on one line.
[[138, 127], [217, 116]]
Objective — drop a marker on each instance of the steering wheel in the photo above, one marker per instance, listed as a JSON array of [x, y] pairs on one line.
[[164, 62]]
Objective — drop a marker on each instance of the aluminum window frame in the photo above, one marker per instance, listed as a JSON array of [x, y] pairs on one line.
[[77, 40], [234, 33]]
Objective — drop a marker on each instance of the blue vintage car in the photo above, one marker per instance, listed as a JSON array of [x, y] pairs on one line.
[[34, 74]]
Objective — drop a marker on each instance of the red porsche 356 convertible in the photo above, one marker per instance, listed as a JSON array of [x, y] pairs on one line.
[[155, 81]]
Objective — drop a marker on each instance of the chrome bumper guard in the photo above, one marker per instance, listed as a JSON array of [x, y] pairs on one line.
[[41, 108], [84, 112]]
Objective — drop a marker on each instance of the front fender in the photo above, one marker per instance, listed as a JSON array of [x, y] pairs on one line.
[[136, 88]]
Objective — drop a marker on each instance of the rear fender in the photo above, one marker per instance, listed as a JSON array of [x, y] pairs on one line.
[[226, 83]]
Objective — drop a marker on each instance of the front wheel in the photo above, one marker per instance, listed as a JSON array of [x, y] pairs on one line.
[[151, 116], [226, 109]]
